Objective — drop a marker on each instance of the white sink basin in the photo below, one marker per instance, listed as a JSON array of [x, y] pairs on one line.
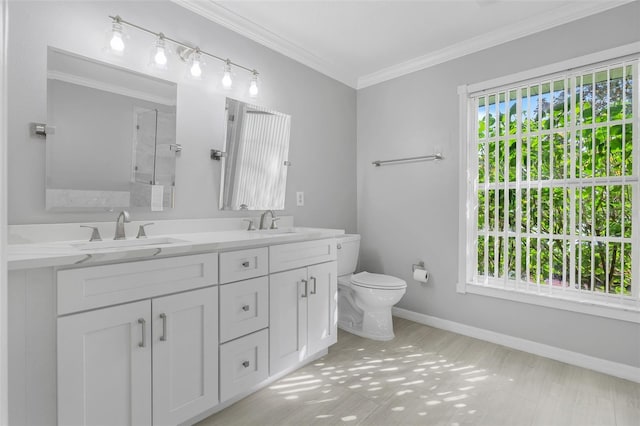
[[134, 242]]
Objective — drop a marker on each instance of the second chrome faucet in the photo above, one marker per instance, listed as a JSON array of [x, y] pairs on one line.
[[123, 218], [274, 219]]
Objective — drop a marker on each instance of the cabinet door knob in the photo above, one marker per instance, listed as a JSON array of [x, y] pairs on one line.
[[245, 364], [245, 308], [245, 264]]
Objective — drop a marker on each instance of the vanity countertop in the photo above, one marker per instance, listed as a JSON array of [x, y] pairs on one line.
[[69, 253]]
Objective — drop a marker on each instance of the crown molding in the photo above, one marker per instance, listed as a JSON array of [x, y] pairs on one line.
[[247, 28], [565, 14]]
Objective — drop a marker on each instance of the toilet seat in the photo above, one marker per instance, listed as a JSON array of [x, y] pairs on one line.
[[377, 281]]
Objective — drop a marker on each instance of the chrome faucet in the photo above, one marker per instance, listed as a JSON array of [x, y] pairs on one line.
[[123, 218], [274, 219]]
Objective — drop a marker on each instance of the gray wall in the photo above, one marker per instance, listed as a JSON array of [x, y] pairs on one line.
[[410, 212], [323, 130]]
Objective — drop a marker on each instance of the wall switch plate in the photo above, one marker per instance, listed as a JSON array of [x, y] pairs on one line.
[[300, 199]]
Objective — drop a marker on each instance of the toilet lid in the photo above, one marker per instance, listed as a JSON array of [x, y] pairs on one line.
[[369, 280]]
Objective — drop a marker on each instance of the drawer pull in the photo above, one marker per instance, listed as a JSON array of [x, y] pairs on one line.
[[164, 327], [245, 308], [315, 286], [245, 264], [306, 288], [143, 342], [245, 364]]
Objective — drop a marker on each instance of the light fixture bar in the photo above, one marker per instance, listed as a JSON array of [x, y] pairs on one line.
[[119, 20]]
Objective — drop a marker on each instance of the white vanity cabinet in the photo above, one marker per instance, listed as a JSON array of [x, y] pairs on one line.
[[165, 341], [151, 359], [303, 310]]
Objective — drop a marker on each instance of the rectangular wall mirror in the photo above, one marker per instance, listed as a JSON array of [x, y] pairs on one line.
[[254, 167], [111, 136]]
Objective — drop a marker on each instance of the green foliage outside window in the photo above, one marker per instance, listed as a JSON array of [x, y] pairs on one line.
[[561, 141]]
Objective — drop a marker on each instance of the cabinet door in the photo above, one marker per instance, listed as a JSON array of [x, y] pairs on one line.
[[323, 317], [185, 355], [288, 294], [104, 366]]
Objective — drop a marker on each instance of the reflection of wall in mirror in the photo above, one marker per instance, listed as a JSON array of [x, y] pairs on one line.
[[90, 148], [93, 137]]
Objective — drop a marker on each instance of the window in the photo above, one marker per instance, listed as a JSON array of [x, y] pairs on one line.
[[552, 195]]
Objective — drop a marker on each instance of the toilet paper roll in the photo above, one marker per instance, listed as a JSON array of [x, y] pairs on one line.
[[421, 275]]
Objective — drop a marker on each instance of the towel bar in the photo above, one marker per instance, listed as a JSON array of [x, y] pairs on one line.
[[431, 157]]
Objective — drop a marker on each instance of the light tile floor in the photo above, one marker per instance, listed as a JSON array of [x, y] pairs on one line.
[[427, 376]]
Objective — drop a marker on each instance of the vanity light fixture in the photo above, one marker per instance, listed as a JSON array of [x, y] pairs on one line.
[[116, 43], [226, 78], [160, 52], [253, 87], [190, 54], [195, 67]]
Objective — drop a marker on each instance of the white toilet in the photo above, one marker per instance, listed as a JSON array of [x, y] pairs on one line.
[[365, 299]]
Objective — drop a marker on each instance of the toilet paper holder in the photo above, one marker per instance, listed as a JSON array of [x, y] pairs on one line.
[[419, 265], [420, 273]]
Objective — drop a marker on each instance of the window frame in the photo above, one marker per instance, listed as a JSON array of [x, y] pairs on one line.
[[467, 190]]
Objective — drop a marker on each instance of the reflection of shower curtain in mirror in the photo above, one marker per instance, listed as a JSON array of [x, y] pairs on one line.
[[260, 174]]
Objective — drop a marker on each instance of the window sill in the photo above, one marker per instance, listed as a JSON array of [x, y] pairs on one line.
[[629, 314]]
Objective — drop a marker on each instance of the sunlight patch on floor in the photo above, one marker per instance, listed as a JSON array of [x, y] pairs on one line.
[[376, 377], [305, 389], [321, 401]]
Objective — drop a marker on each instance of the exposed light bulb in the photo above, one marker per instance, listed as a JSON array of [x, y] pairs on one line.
[[116, 42], [195, 68], [160, 56], [226, 78], [253, 87]]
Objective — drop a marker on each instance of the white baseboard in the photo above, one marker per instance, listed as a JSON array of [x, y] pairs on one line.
[[600, 365]]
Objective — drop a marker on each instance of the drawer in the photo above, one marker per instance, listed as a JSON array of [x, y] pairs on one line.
[[97, 286], [296, 255], [244, 307], [243, 364], [243, 264]]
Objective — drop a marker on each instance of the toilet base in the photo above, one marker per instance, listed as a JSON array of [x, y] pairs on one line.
[[367, 322], [372, 325]]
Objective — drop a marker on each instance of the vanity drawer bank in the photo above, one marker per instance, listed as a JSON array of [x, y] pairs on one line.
[[142, 337]]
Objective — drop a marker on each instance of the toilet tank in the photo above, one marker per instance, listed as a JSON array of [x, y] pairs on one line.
[[348, 250]]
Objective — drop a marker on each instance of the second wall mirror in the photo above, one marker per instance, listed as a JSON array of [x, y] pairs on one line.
[[254, 167]]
